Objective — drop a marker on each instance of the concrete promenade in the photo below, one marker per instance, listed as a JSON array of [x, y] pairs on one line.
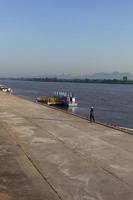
[[47, 154]]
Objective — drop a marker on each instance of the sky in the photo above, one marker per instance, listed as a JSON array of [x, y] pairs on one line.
[[52, 37]]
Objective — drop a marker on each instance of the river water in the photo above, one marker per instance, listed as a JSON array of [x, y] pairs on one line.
[[113, 103]]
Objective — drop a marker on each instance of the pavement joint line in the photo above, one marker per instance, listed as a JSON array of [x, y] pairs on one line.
[[117, 177], [31, 161], [78, 152], [65, 120], [100, 166], [103, 139], [34, 165]]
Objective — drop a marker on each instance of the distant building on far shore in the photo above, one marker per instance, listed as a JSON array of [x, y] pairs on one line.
[[124, 78]]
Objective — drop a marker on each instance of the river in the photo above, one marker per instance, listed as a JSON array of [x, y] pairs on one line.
[[113, 103]]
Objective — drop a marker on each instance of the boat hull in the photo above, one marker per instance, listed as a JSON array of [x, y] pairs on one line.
[[72, 105]]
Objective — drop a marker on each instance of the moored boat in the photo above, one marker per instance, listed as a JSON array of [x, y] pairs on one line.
[[68, 98], [50, 100], [60, 98]]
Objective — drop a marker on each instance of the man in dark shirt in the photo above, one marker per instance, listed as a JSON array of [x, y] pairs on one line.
[[92, 119]]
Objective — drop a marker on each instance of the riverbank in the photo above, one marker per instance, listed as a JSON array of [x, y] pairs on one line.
[[49, 154]]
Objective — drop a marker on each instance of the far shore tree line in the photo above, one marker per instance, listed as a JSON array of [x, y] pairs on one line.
[[75, 80]]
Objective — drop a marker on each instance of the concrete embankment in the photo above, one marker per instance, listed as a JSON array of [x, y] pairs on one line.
[[52, 155]]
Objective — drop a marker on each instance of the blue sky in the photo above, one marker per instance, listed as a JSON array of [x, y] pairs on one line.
[[65, 36]]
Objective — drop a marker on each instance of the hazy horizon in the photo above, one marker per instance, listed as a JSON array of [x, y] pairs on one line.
[[70, 37], [97, 75]]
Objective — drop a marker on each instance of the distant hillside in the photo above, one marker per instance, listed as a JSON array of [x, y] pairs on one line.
[[96, 76], [114, 75], [100, 76]]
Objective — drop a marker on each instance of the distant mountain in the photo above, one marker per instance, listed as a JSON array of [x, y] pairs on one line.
[[114, 75], [101, 76]]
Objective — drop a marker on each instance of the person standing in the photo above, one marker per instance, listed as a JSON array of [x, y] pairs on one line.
[[92, 118]]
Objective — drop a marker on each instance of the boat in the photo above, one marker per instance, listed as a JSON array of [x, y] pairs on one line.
[[6, 89], [68, 98], [59, 98], [50, 100]]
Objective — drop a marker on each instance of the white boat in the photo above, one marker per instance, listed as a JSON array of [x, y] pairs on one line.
[[67, 98]]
